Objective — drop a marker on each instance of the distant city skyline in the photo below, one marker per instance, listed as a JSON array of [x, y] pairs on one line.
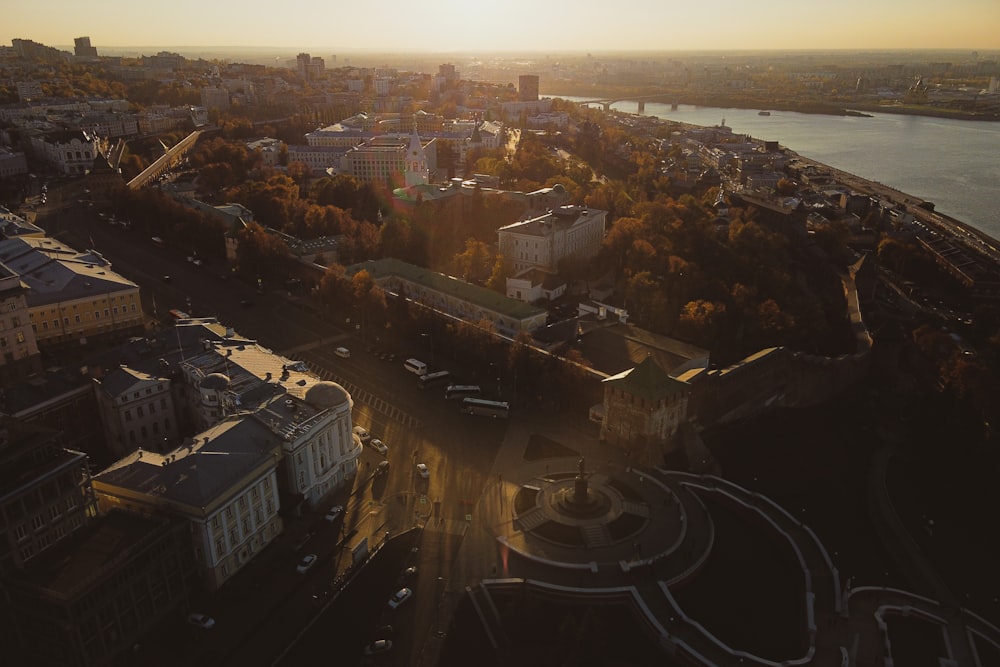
[[446, 26]]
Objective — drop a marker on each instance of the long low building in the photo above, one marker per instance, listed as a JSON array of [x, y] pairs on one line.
[[452, 296]]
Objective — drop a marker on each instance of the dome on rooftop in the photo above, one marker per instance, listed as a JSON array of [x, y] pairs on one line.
[[326, 394], [216, 381]]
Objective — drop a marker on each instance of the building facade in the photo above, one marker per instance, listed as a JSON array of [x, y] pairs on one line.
[[18, 348], [223, 483], [644, 408], [137, 411], [541, 242], [70, 152], [45, 493], [73, 297], [89, 600], [452, 297]]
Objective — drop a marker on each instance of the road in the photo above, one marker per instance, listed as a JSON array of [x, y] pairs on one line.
[[419, 426]]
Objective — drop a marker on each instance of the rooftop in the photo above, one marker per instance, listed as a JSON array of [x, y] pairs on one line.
[[480, 296]]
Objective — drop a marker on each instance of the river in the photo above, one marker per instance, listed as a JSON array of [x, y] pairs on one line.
[[953, 163]]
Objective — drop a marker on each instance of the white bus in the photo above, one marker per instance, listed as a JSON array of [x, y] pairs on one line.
[[455, 391], [415, 366], [484, 408], [433, 379]]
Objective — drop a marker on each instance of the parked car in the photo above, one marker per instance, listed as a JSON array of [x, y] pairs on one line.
[[363, 435], [334, 513], [378, 647], [306, 563], [342, 352], [399, 597], [379, 446], [382, 468], [203, 621], [423, 471]]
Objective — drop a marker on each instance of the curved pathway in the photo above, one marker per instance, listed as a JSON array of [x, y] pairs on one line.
[[840, 627]]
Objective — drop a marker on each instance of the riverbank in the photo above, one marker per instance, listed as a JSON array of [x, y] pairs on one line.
[[816, 107]]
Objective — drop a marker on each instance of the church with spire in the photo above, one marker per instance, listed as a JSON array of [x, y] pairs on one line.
[[417, 170]]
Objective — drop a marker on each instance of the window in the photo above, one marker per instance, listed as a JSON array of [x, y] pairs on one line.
[[37, 522], [246, 526], [215, 521], [243, 502], [254, 493], [229, 512], [163, 404], [138, 411], [220, 547], [128, 415], [22, 532], [76, 318]]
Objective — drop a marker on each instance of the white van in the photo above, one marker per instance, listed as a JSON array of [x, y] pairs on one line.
[[342, 352], [415, 366]]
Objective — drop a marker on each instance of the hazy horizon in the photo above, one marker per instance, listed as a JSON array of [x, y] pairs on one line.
[[518, 26]]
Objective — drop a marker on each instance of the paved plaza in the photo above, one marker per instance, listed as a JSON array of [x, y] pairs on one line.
[[590, 526]]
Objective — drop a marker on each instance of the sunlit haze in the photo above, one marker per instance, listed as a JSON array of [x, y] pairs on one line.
[[513, 25]]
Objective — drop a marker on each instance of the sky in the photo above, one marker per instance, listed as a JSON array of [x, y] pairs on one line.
[[461, 26]]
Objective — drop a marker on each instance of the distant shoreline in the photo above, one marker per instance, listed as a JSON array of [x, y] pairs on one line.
[[806, 107]]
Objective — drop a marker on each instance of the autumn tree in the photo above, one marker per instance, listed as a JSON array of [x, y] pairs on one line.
[[259, 254], [475, 263]]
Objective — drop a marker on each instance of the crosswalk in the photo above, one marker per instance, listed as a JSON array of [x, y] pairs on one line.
[[367, 398]]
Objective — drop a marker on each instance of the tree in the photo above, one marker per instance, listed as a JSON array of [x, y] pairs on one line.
[[475, 263], [498, 278], [701, 320], [259, 254]]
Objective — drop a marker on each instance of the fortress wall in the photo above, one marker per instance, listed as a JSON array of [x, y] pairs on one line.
[[781, 378]]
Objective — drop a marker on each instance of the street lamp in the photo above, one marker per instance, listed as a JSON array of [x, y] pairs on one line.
[[430, 340], [438, 632]]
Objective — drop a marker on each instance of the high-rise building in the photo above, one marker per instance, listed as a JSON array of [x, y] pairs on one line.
[[302, 64], [83, 49], [527, 88]]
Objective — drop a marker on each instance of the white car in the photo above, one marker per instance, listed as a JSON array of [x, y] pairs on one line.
[[399, 597], [379, 446], [363, 435], [378, 647], [423, 471], [306, 563], [333, 514], [203, 621]]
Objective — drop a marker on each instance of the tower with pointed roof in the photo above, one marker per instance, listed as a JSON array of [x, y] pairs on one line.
[[417, 172], [644, 407]]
